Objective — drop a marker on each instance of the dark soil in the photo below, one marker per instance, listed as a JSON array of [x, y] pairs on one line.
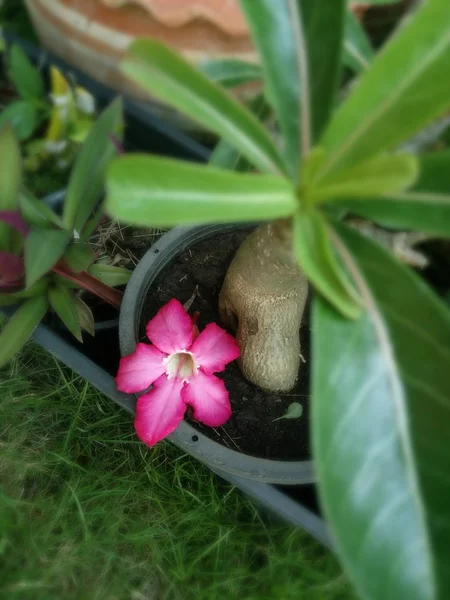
[[252, 428]]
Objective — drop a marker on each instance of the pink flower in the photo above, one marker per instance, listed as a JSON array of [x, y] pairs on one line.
[[180, 365]]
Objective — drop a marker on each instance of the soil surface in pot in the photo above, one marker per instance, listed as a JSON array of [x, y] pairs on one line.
[[253, 428]]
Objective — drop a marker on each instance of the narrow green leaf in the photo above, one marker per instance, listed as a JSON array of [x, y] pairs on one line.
[[23, 116], [110, 274], [381, 175], [294, 411], [167, 76], [20, 327], [10, 169], [87, 179], [63, 303], [8, 300], [43, 249], [36, 212], [230, 73], [37, 289], [85, 316], [323, 20], [225, 155], [316, 257], [26, 78], [402, 92], [148, 190], [302, 74], [358, 51], [425, 208], [79, 256], [381, 400]]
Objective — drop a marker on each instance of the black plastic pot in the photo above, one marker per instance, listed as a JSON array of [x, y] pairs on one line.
[[216, 456]]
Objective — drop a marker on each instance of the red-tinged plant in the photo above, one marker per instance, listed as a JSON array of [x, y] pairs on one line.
[[179, 365], [46, 257]]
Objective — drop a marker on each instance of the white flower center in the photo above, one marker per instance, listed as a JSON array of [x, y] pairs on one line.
[[180, 364]]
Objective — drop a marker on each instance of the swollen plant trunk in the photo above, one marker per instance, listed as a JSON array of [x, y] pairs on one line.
[[263, 298]]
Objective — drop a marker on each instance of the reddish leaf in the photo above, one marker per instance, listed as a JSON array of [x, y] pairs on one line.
[[14, 219], [12, 268]]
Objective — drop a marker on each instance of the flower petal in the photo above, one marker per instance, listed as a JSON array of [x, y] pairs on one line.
[[208, 397], [171, 329], [214, 348], [140, 369], [160, 410]]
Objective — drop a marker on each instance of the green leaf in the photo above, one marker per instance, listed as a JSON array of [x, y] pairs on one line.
[[43, 249], [37, 289], [79, 256], [63, 303], [381, 401], [230, 73], [426, 208], [87, 179], [20, 327], [23, 116], [85, 316], [10, 170], [8, 300], [402, 92], [168, 77], [148, 190], [294, 411], [301, 75], [111, 275], [358, 51], [26, 78], [10, 179], [225, 155], [36, 212], [386, 174], [316, 257]]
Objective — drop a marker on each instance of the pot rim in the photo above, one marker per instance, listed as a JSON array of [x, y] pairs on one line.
[[195, 443]]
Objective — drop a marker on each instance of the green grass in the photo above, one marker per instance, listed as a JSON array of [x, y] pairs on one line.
[[87, 512]]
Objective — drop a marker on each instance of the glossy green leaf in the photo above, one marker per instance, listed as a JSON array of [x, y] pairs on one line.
[[26, 78], [230, 73], [425, 208], [62, 302], [36, 212], [146, 190], [386, 174], [23, 116], [358, 51], [381, 401], [85, 316], [86, 182], [92, 224], [110, 274], [167, 76], [302, 74], [402, 92], [79, 256], [20, 327], [43, 249], [316, 257]]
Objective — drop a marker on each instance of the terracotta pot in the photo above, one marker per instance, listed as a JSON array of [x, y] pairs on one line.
[[94, 34]]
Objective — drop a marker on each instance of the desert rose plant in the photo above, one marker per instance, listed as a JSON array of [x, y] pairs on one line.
[[380, 336], [44, 256]]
